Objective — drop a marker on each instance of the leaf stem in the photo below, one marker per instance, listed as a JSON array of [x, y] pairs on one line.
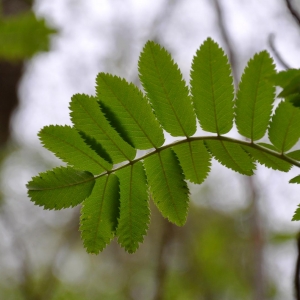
[[207, 138]]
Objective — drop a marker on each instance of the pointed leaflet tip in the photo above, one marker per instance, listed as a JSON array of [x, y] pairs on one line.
[[60, 188], [166, 90], [255, 97], [212, 88]]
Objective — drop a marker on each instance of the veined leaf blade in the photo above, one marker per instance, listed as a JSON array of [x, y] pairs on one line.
[[167, 185], [87, 117], [134, 206], [284, 130], [166, 90], [194, 160], [131, 109], [99, 214], [255, 97], [212, 88], [60, 188], [231, 155], [66, 143], [268, 160], [294, 155]]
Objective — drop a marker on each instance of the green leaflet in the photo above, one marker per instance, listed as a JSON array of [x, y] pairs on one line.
[[284, 128], [23, 35], [132, 110], [283, 78], [294, 155], [194, 160], [255, 97], [268, 160], [87, 117], [66, 143], [212, 88], [166, 90], [167, 185], [293, 87], [108, 130], [60, 188], [134, 209], [295, 180], [99, 214], [231, 155], [296, 216]]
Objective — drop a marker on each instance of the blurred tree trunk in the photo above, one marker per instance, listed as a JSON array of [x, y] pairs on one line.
[[10, 74]]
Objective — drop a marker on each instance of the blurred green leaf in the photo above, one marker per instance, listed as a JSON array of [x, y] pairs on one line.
[[22, 36]]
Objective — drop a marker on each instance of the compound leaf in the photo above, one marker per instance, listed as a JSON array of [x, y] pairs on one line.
[[67, 144], [231, 155], [87, 117], [194, 160], [99, 214], [166, 90], [212, 88], [284, 128], [167, 185], [60, 188], [255, 97], [131, 110], [134, 207]]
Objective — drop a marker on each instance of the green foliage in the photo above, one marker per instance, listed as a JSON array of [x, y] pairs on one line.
[[255, 97], [22, 36], [105, 172], [212, 88]]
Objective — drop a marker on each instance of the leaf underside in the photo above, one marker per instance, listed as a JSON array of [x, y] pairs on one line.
[[103, 171], [60, 188], [255, 97], [99, 214], [168, 188], [212, 88], [135, 212], [166, 90]]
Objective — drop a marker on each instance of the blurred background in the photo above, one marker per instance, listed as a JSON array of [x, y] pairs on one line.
[[239, 241]]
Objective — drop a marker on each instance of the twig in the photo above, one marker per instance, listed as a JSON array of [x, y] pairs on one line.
[[276, 52], [227, 40], [293, 11]]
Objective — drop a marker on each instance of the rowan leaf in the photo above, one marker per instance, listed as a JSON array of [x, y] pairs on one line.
[[212, 88], [194, 160], [88, 118], [134, 208], [60, 187], [99, 214], [131, 110], [67, 144], [231, 155], [166, 90], [284, 128], [168, 188], [255, 97]]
